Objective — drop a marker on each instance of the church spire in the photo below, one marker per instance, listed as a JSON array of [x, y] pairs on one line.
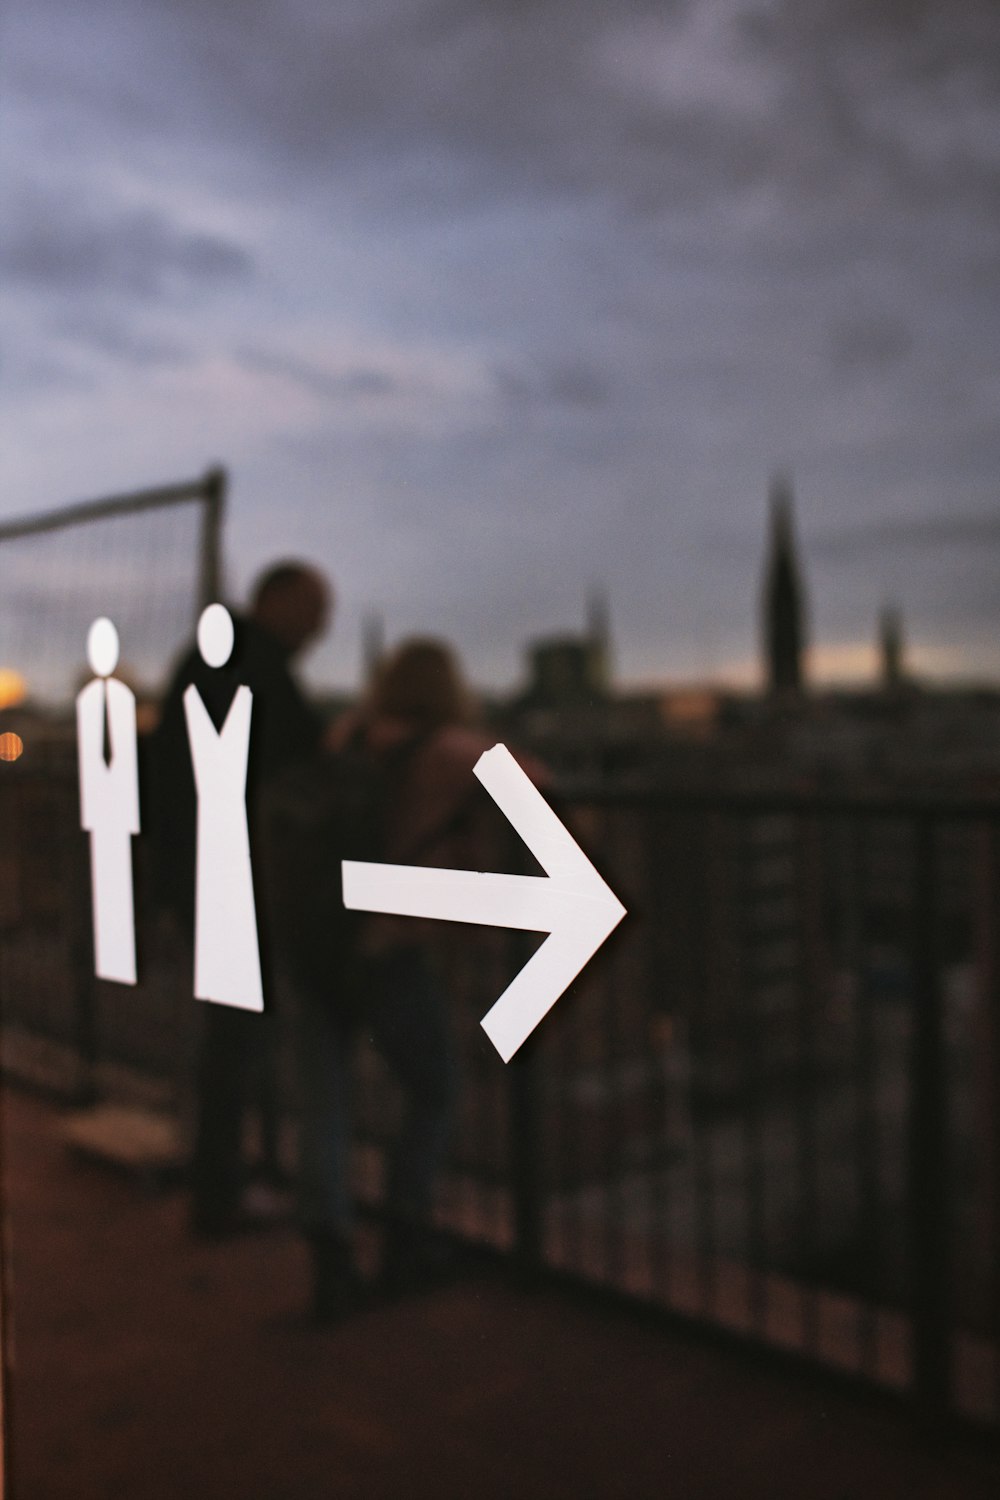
[[783, 599], [892, 647], [599, 636]]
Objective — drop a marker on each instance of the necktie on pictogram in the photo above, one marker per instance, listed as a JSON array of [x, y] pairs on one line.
[[106, 748]]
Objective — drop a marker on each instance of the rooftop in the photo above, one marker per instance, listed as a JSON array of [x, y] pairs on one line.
[[149, 1365]]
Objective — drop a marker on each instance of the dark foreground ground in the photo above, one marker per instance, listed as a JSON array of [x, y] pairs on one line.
[[153, 1368]]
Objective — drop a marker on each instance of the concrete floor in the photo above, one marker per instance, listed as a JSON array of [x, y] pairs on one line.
[[152, 1367]]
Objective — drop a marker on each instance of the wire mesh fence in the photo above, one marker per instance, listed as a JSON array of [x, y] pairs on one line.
[[150, 561]]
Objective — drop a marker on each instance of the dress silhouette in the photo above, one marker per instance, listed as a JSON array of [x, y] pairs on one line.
[[109, 802], [226, 947]]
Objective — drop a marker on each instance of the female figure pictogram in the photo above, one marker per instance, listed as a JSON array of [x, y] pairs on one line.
[[109, 802], [226, 951]]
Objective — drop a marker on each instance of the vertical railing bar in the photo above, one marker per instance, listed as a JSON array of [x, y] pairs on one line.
[[867, 1139], [519, 1096], [704, 1150], [805, 1112], [526, 1157], [991, 1069], [577, 1065], [753, 945], [602, 1107], [86, 1039], [661, 1226], [560, 1154], [927, 1137], [568, 1182], [496, 1120], [621, 1008], [648, 1111]]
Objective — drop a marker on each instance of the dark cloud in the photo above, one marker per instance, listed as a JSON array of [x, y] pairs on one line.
[[568, 95], [908, 532], [572, 277], [868, 342], [31, 376], [332, 385], [652, 104], [64, 246], [572, 383], [123, 341]]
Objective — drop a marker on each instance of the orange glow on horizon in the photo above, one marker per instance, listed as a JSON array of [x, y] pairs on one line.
[[13, 688]]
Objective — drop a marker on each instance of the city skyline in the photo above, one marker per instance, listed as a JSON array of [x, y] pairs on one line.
[[483, 306]]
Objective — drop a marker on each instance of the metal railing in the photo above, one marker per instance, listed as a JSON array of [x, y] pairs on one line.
[[769, 1105]]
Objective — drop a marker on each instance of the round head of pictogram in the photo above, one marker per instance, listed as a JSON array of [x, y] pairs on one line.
[[215, 635], [102, 647]]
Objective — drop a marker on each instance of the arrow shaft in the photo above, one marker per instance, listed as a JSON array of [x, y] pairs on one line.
[[528, 902]]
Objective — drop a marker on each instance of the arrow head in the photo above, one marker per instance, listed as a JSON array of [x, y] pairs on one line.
[[589, 910]]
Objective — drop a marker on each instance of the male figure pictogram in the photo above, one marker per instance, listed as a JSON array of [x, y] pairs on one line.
[[226, 947], [109, 802]]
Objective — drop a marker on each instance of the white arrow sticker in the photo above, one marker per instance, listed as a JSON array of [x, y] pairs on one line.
[[570, 902]]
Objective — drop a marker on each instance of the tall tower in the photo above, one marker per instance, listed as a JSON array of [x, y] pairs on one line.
[[784, 613], [599, 636], [892, 644]]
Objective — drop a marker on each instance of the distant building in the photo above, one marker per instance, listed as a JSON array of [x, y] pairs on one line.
[[783, 603], [599, 636], [563, 671], [570, 671]]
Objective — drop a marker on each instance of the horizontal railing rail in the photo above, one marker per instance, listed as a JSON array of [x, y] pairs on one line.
[[768, 1105]]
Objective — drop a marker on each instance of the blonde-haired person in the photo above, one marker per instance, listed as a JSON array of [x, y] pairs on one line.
[[418, 719]]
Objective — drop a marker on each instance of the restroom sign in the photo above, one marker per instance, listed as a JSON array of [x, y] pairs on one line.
[[571, 903]]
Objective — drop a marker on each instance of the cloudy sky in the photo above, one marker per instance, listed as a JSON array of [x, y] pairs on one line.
[[484, 304]]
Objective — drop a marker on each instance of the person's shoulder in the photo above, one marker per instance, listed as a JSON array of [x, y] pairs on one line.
[[343, 731], [463, 738], [254, 648], [533, 768], [457, 742], [458, 747]]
